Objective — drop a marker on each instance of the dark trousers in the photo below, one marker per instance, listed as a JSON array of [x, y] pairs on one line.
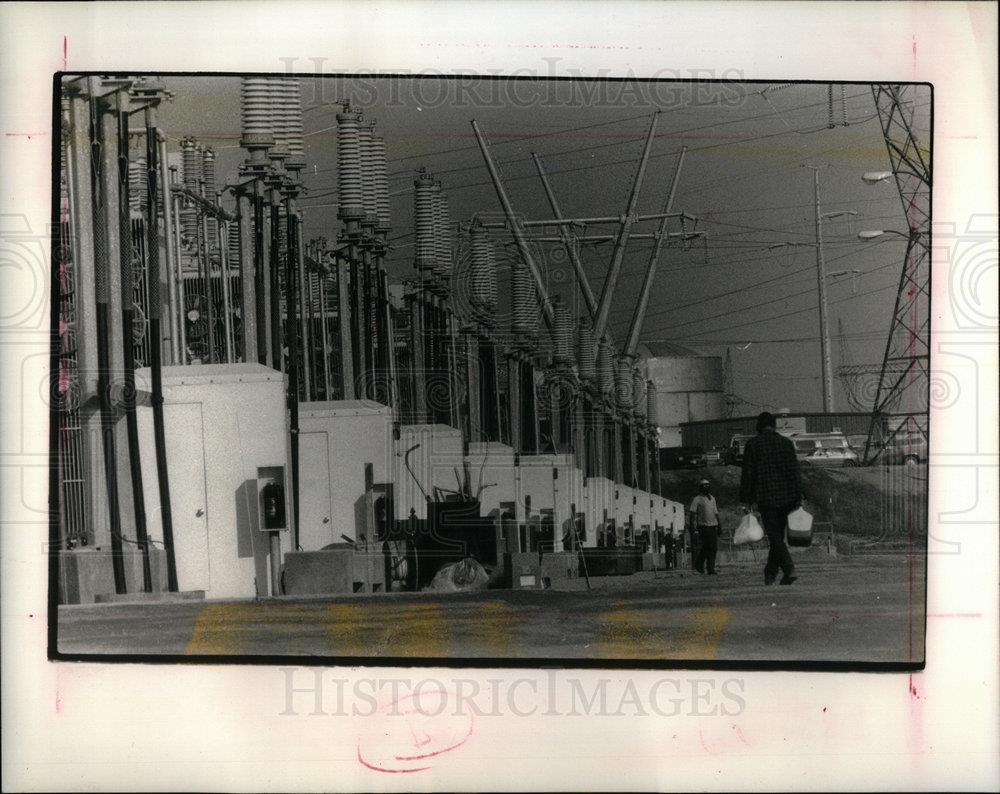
[[775, 519], [708, 542]]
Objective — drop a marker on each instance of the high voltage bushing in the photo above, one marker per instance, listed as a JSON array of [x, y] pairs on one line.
[[524, 303], [292, 117], [208, 179], [652, 410], [623, 384], [257, 133], [191, 175], [639, 392], [562, 334], [381, 183], [137, 184], [368, 199], [586, 352], [349, 180], [442, 234], [423, 221], [480, 272], [605, 366]]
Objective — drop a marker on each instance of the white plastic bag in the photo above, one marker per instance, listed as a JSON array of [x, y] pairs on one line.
[[749, 530], [799, 528], [457, 576]]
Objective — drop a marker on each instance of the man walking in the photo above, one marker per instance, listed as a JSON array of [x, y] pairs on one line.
[[705, 519], [770, 480]]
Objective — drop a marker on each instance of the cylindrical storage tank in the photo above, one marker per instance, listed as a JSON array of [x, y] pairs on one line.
[[605, 367], [368, 199], [688, 389], [137, 184], [523, 301], [639, 392], [623, 384], [423, 222], [652, 413], [349, 180], [586, 351]]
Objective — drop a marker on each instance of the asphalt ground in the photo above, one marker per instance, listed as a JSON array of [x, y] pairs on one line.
[[858, 609]]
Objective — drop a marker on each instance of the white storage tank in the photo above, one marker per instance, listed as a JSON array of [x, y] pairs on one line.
[[688, 388]]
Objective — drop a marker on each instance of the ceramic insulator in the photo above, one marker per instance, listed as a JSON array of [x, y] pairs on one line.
[[479, 268], [586, 352], [442, 227], [652, 411], [293, 124], [349, 180], [137, 184], [208, 178], [423, 221], [562, 333], [381, 182], [623, 384], [638, 392], [523, 300], [605, 367], [191, 175], [368, 199]]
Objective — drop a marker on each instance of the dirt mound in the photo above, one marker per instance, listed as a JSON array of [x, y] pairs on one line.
[[878, 504]]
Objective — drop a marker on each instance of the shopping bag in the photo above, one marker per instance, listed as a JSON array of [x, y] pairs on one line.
[[800, 528], [749, 530]]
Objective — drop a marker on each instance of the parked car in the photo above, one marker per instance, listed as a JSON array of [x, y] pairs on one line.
[[682, 458], [824, 449], [715, 456], [907, 449], [734, 452]]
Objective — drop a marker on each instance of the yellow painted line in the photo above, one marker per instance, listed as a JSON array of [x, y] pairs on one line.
[[343, 625], [414, 629], [495, 629], [629, 633], [215, 629]]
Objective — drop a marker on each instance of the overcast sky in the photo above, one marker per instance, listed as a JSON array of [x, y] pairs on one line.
[[742, 177]]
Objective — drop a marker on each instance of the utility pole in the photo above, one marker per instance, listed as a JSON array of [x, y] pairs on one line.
[[824, 329]]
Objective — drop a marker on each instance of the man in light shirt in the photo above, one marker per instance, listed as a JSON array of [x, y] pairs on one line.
[[705, 521]]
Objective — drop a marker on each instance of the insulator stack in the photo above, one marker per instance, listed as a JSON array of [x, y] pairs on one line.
[[523, 300], [209, 187], [586, 352], [423, 221], [605, 367], [368, 199], [492, 291], [349, 179], [652, 411], [137, 184], [381, 183], [191, 174], [639, 392], [278, 119], [292, 95], [479, 275], [233, 245], [623, 385], [562, 334], [257, 132], [443, 237]]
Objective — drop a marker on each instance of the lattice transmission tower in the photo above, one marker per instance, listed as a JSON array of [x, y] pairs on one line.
[[902, 393]]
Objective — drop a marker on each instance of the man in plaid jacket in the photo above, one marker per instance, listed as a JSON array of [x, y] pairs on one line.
[[770, 481]]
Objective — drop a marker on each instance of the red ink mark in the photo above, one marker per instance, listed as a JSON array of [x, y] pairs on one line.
[[954, 614], [65, 51], [914, 52], [913, 689], [701, 738], [743, 738], [28, 135], [405, 733]]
